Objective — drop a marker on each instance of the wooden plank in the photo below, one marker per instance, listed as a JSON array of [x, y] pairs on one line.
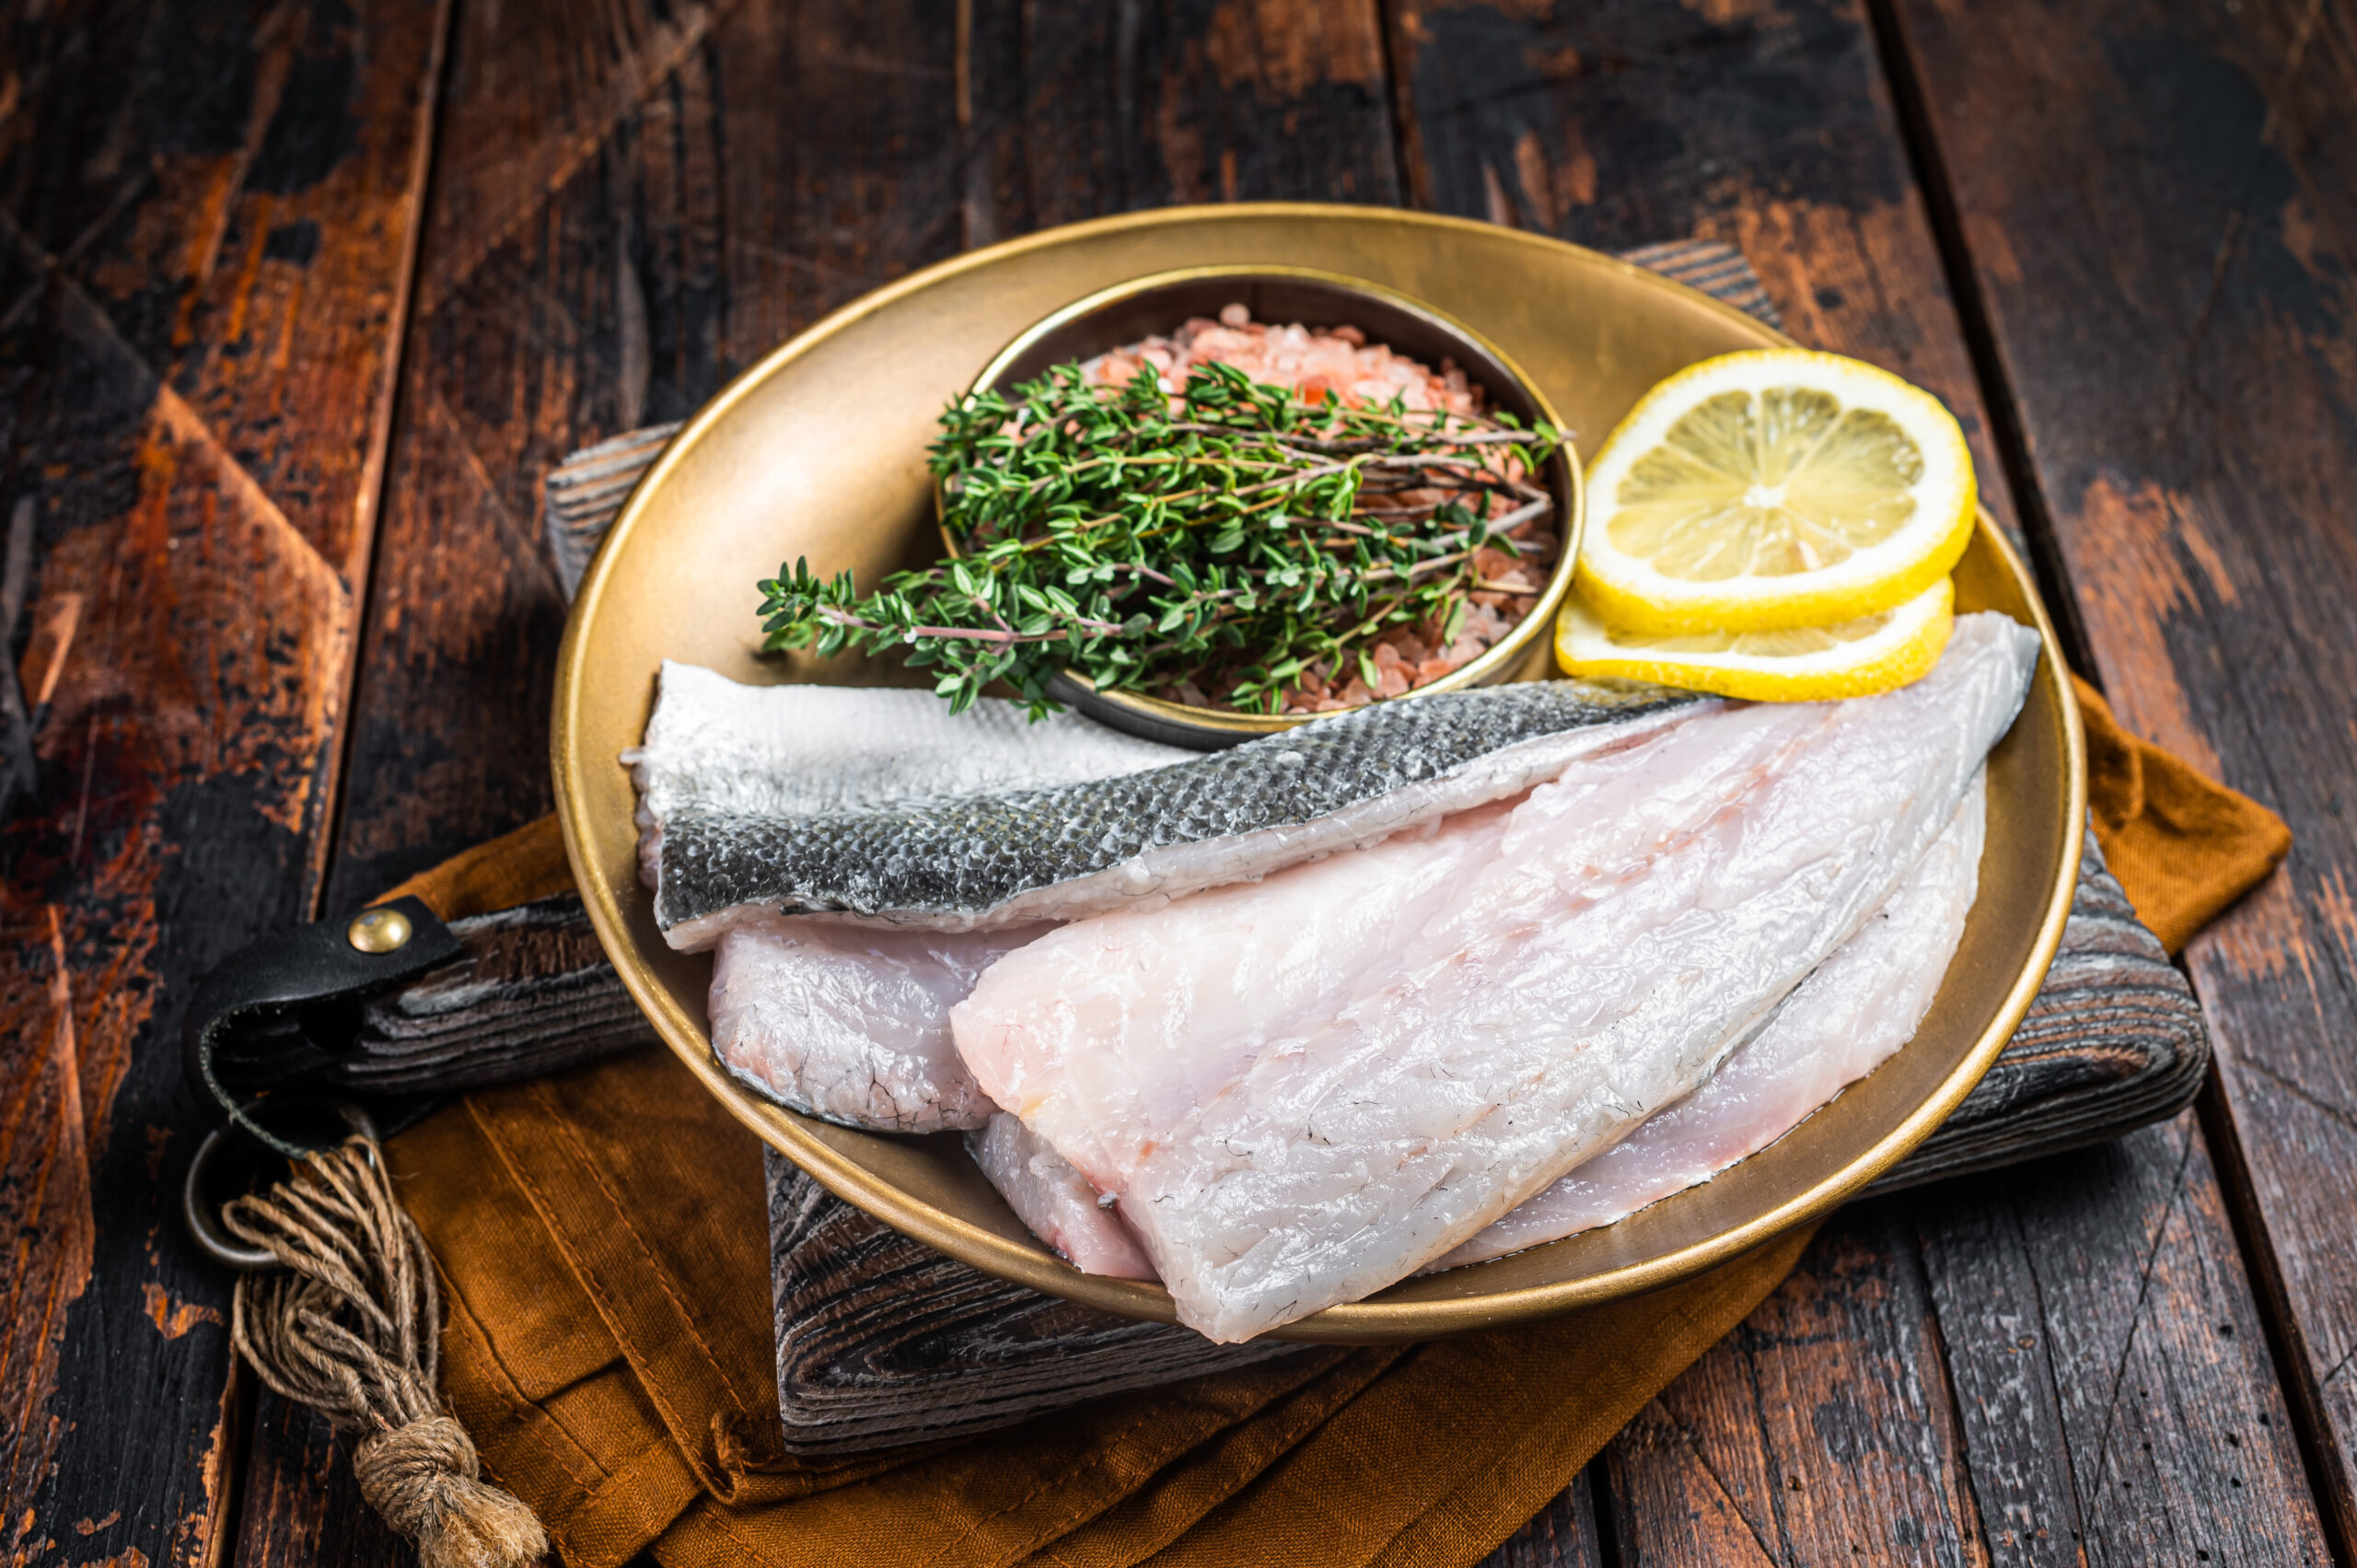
[[205, 223], [2175, 321], [1820, 1431], [1759, 124], [2101, 1427], [1767, 122], [633, 200], [287, 1517], [633, 209], [1563, 1536]]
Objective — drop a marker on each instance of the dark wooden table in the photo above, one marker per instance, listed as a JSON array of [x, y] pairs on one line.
[[299, 301]]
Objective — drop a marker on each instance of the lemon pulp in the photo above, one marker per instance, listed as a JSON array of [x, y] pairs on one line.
[[1775, 489]]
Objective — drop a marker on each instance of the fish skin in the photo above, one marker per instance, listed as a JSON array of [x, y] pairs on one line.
[[1055, 1200], [714, 744], [1839, 1025], [1643, 914], [1012, 856], [851, 1025]]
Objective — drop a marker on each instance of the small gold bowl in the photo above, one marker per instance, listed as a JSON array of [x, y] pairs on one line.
[[1161, 303]]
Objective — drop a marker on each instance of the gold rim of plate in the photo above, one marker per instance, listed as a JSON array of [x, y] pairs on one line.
[[819, 447]]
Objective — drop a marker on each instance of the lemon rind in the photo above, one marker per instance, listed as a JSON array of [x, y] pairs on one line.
[[1630, 594], [1899, 656]]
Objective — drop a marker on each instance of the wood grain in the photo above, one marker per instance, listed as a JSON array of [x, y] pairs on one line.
[[881, 1339], [618, 229], [288, 1520], [1763, 123], [2104, 1426], [205, 225], [632, 200], [599, 263], [533, 994], [1820, 1431], [1768, 122], [2174, 317], [1563, 1536]]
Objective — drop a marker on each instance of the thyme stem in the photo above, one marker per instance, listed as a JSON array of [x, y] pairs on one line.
[[1141, 538]]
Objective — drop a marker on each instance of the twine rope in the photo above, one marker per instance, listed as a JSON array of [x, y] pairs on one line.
[[353, 1327]]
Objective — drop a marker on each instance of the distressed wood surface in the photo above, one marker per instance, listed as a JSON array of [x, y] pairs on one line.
[[632, 201], [533, 994], [1820, 1431], [2100, 1428], [2173, 316], [1760, 124], [1770, 122], [881, 1339], [630, 209], [289, 1519], [205, 216]]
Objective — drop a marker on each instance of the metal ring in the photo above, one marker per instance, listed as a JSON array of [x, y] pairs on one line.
[[197, 1214]]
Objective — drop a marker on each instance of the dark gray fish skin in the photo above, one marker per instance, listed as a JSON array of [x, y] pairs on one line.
[[954, 861]]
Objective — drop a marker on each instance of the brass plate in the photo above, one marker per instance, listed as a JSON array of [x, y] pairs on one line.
[[818, 450]]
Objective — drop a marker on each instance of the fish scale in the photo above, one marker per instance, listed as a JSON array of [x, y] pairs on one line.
[[956, 860]]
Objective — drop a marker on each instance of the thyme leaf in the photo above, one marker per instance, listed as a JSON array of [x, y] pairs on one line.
[[1141, 538]]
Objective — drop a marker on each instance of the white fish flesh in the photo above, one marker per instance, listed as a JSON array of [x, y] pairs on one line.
[[1056, 1201], [850, 1023], [1633, 921], [1839, 1025], [841, 1023], [1011, 855]]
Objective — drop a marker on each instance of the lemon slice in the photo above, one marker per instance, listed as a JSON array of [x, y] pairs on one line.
[[1807, 663], [1772, 489]]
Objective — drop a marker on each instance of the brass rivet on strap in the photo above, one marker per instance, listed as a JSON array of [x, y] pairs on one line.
[[378, 931]]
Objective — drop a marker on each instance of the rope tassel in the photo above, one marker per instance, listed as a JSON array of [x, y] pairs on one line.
[[353, 1327]]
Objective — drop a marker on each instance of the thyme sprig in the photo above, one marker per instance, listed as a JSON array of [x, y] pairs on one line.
[[1141, 538]]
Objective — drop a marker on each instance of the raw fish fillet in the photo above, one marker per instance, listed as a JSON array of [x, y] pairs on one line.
[[1018, 855], [850, 1024], [1839, 1025], [1056, 1201], [714, 746], [1416, 1074]]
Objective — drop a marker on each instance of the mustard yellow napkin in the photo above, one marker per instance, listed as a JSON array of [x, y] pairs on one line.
[[2183, 848]]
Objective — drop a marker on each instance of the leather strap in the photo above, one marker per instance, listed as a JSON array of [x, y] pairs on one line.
[[285, 1012]]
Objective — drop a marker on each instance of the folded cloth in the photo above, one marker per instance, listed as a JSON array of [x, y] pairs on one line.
[[603, 1247], [2183, 848]]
